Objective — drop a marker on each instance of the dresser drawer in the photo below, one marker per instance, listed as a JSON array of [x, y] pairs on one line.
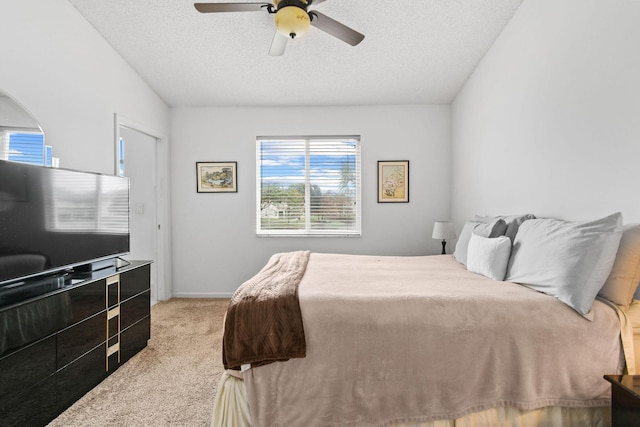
[[134, 338], [28, 323], [134, 309], [74, 380], [35, 407], [75, 341], [86, 301], [21, 370], [134, 281]]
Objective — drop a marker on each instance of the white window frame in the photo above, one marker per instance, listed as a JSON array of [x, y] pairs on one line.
[[356, 231]]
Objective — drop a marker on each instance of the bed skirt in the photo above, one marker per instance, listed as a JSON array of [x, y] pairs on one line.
[[231, 409]]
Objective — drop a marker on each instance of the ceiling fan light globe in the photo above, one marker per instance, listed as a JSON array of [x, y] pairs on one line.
[[292, 21]]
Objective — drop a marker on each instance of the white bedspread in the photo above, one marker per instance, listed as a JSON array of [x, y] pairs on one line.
[[402, 339]]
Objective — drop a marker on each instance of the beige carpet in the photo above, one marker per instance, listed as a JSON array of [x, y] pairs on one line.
[[172, 382]]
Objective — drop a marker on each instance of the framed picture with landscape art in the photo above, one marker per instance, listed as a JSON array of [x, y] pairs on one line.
[[393, 181], [217, 177]]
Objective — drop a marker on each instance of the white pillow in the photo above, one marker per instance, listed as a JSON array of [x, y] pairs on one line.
[[495, 228], [489, 257], [568, 260]]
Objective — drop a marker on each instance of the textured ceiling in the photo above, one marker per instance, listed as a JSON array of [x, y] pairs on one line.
[[419, 51]]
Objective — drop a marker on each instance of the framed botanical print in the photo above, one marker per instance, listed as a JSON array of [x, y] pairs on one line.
[[393, 181]]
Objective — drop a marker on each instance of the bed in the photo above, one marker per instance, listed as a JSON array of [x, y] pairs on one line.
[[425, 340]]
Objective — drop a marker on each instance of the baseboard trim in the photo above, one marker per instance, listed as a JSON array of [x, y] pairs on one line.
[[202, 295]]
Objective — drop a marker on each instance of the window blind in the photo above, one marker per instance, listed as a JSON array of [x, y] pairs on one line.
[[308, 186], [25, 147]]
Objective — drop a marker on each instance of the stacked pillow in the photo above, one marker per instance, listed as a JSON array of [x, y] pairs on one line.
[[513, 222], [496, 227], [572, 261], [487, 226]]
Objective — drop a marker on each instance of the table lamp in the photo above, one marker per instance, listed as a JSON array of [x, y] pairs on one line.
[[443, 230]]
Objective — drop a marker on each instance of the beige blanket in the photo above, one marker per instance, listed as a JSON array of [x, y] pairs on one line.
[[263, 323], [392, 339]]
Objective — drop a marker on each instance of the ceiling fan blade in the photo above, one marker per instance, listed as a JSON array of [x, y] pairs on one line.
[[278, 44], [336, 29], [315, 2], [229, 7]]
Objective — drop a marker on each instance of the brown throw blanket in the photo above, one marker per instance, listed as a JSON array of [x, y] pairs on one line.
[[263, 322]]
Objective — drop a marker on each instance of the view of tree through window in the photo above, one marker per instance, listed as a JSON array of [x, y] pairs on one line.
[[309, 185]]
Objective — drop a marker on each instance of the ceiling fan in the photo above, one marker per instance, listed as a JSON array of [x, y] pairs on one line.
[[292, 20]]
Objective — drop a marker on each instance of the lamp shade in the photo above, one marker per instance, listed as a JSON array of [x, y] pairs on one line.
[[292, 21], [443, 230]]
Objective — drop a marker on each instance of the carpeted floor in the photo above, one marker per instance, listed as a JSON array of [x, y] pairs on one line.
[[172, 382]]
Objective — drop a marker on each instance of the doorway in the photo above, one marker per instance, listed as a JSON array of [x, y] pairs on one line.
[[137, 160]]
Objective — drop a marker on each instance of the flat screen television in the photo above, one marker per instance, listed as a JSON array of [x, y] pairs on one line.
[[57, 219]]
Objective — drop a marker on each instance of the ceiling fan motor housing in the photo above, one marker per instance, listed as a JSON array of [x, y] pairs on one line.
[[292, 18]]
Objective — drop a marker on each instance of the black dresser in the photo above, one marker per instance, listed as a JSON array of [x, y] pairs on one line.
[[61, 335]]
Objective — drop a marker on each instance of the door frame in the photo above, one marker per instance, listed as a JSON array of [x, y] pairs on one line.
[[163, 255]]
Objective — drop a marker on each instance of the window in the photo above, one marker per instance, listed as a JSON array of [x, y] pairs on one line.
[[308, 186], [23, 146], [121, 157]]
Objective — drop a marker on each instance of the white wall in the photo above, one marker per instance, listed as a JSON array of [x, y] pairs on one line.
[[13, 114], [549, 123], [54, 63], [215, 248], [60, 69]]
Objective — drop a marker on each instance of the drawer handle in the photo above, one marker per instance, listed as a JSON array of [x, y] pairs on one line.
[[113, 313], [113, 280], [113, 349]]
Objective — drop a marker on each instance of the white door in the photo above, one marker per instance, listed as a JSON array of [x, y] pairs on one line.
[[138, 162]]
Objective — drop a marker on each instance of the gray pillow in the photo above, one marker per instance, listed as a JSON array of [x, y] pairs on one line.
[[567, 260], [495, 228], [513, 222]]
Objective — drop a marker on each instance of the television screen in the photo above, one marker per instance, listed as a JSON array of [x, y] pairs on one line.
[[54, 219]]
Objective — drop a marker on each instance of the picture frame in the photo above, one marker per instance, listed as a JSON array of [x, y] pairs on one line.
[[217, 177], [393, 181]]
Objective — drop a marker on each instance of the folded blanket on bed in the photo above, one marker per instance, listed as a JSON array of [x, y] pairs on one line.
[[263, 322]]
